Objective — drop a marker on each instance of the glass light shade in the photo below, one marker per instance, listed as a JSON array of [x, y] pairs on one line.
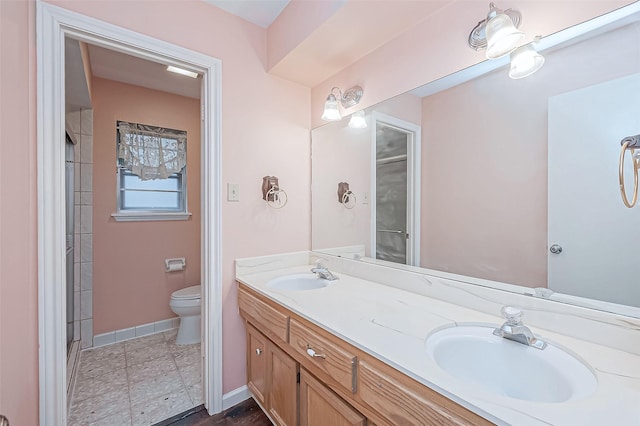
[[331, 112], [357, 120], [502, 36], [525, 61]]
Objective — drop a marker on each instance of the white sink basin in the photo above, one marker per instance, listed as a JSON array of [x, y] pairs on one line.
[[298, 282], [475, 356]]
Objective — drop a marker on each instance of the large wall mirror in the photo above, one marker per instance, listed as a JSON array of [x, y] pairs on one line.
[[500, 182]]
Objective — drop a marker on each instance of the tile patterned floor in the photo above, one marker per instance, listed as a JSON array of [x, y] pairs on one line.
[[136, 382]]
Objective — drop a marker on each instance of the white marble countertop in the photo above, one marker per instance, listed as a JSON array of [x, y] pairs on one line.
[[392, 324]]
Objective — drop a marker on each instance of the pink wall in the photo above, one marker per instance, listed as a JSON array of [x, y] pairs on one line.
[[130, 285], [437, 47], [265, 130], [18, 238]]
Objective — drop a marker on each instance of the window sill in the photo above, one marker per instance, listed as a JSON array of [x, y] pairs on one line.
[[148, 216]]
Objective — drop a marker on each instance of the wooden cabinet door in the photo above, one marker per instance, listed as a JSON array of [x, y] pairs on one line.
[[282, 398], [257, 364], [319, 406]]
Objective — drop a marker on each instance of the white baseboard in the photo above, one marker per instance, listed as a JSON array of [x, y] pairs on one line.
[[133, 332], [234, 397]]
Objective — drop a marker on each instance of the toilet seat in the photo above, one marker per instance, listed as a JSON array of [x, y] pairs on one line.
[[189, 293]]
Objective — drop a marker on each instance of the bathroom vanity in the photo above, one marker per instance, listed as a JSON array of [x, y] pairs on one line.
[[336, 380], [353, 352]]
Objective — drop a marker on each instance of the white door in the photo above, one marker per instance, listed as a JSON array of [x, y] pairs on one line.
[[599, 236], [395, 204]]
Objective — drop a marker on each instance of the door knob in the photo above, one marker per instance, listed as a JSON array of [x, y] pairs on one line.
[[555, 249]]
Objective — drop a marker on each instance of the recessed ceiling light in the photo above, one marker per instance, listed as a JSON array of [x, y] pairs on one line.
[[182, 71]]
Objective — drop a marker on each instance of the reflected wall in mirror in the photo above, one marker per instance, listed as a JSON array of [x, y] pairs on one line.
[[509, 168]]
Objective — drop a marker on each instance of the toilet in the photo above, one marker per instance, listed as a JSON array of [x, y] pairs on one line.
[[186, 304]]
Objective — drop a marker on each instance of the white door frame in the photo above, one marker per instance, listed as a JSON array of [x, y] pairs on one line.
[[53, 24], [413, 183]]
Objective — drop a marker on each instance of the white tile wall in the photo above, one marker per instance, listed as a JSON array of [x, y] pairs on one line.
[[81, 124], [86, 276], [86, 149], [86, 248], [86, 333]]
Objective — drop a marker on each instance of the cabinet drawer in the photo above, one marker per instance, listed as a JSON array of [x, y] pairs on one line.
[[329, 356], [265, 318], [403, 404]]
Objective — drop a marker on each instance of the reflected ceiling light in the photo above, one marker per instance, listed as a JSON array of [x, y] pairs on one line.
[[348, 99], [525, 60], [357, 120], [498, 33], [182, 71]]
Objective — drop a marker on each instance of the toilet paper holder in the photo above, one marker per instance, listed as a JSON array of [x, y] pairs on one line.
[[175, 264]]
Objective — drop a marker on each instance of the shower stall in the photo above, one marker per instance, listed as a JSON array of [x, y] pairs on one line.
[[69, 240]]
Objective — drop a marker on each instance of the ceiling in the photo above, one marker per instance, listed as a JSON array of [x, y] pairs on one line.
[[351, 30], [112, 65], [259, 12]]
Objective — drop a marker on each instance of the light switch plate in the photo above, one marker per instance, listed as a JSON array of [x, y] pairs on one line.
[[233, 192]]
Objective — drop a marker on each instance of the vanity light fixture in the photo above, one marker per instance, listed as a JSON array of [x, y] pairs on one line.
[[498, 33], [357, 120], [182, 71], [525, 60], [349, 98]]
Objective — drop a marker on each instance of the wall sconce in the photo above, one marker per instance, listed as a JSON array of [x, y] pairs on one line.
[[357, 120], [525, 60], [631, 143], [348, 99], [498, 33], [345, 196], [275, 197]]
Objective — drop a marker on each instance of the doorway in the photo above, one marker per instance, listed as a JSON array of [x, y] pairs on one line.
[[395, 207], [54, 24]]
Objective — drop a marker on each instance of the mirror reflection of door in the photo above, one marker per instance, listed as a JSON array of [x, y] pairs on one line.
[[585, 129], [394, 187]]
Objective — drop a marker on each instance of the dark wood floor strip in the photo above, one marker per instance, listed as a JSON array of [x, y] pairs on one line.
[[246, 413]]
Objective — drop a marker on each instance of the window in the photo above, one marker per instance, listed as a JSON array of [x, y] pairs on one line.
[[151, 164]]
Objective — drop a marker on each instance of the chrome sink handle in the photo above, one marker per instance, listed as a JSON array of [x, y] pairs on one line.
[[512, 314], [514, 329], [323, 272]]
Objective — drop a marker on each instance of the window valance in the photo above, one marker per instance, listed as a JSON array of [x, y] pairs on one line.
[[151, 152]]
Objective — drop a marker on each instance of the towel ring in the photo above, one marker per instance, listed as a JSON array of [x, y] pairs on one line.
[[349, 199], [636, 164], [276, 198]]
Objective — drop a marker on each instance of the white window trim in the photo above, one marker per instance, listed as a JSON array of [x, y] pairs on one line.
[[148, 216]]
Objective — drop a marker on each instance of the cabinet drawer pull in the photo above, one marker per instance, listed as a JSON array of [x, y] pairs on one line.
[[313, 353], [258, 351]]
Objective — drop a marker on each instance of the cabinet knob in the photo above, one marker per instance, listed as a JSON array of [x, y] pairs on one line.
[[313, 353], [258, 351]]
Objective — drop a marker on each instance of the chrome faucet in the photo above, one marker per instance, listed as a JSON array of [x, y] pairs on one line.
[[514, 329], [323, 272]]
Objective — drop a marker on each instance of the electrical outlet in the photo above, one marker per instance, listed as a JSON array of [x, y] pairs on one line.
[[233, 192]]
